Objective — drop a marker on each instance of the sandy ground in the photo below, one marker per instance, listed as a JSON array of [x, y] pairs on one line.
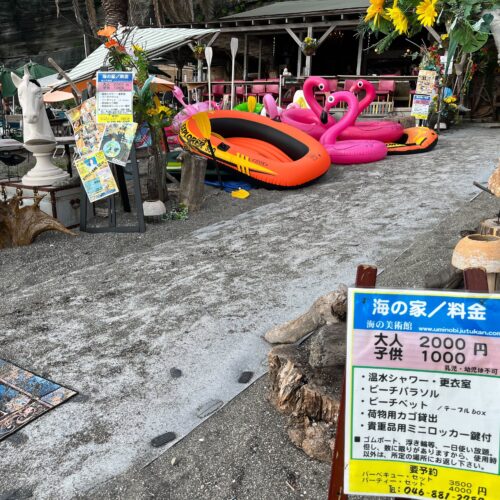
[[110, 315]]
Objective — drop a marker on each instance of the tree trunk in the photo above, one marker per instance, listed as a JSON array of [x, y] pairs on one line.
[[20, 226], [115, 12], [157, 185], [192, 181]]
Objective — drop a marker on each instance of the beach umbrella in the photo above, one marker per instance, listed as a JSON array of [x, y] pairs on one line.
[[161, 85], [36, 70], [8, 87], [57, 96]]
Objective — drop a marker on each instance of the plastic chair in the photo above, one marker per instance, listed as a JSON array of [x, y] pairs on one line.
[[348, 84], [273, 89], [218, 90], [386, 88], [258, 90]]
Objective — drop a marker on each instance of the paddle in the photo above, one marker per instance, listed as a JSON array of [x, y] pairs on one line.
[[208, 57], [252, 102], [203, 123], [234, 50]]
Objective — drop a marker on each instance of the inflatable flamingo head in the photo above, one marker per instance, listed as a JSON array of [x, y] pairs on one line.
[[360, 85], [316, 81], [337, 97], [179, 95]]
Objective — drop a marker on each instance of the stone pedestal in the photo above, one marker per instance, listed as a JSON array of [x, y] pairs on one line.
[[44, 173]]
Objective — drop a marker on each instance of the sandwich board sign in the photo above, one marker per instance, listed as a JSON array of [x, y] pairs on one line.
[[422, 395], [423, 94]]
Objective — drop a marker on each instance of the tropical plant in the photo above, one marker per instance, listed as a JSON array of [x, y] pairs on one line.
[[463, 20], [464, 25]]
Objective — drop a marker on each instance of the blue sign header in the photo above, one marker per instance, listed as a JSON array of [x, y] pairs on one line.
[[447, 313]]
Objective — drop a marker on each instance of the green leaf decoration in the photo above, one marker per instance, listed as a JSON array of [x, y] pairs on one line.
[[383, 44], [470, 40]]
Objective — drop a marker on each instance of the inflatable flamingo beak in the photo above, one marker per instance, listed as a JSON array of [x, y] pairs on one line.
[[353, 88], [324, 117]]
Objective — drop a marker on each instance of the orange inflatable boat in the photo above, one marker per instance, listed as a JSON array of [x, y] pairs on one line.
[[414, 140], [269, 151]]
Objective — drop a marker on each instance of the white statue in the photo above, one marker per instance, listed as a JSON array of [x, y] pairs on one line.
[[495, 27], [38, 136]]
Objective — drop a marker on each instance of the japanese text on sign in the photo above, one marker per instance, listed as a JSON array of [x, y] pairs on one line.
[[115, 96], [422, 385]]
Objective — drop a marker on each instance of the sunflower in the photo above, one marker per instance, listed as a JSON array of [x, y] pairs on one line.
[[427, 13], [375, 11], [398, 18]]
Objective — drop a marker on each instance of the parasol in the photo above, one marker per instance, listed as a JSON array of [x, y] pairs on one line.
[[57, 96]]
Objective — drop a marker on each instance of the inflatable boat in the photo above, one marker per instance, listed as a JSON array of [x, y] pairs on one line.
[[269, 151], [414, 140]]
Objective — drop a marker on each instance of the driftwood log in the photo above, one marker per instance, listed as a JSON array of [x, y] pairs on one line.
[[20, 226], [305, 384], [328, 309], [192, 181]]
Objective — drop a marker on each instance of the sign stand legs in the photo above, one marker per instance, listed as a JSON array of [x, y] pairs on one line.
[[112, 226]]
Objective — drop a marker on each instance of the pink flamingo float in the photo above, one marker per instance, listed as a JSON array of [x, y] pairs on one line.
[[188, 110], [384, 131], [349, 151], [307, 120]]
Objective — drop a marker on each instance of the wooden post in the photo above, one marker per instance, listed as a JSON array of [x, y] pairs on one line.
[[192, 181], [259, 69], [245, 57], [360, 55], [299, 60], [309, 58], [200, 70], [366, 277]]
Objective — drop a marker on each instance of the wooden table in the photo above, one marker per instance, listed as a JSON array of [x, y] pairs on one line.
[[11, 145]]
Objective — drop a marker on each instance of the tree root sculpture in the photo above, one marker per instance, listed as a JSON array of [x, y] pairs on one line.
[[20, 226], [306, 387], [328, 309]]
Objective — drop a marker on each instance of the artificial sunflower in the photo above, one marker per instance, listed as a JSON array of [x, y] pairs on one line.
[[375, 11], [398, 18], [426, 12]]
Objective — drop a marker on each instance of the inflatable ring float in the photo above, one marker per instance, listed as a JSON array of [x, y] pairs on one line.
[[269, 151], [414, 140], [244, 107]]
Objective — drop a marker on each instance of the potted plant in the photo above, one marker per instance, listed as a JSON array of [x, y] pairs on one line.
[[199, 51], [309, 46], [449, 111]]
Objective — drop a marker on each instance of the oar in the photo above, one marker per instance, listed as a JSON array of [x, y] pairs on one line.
[[208, 57], [234, 50], [203, 123], [252, 103]]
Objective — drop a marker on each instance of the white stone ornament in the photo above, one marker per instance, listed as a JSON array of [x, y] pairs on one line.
[[38, 136]]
